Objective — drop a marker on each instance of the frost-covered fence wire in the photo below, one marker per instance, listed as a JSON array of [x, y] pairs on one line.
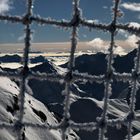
[[25, 74]]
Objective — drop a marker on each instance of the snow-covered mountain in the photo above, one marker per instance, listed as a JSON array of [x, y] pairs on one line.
[[45, 90], [16, 58], [88, 109], [10, 58], [87, 104], [86, 97], [96, 64], [35, 112]]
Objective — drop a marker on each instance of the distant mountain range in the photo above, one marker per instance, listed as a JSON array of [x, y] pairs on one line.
[[94, 65], [10, 58], [17, 59], [97, 64], [86, 97]]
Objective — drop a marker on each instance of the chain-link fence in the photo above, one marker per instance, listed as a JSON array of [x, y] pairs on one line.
[[25, 74]]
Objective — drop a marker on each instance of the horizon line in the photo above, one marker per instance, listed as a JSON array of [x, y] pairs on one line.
[[19, 43]]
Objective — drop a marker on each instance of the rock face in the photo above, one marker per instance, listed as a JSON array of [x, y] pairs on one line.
[[46, 91], [86, 98], [92, 64], [37, 59], [10, 58], [125, 63], [16, 58], [88, 109], [96, 64], [85, 110], [35, 112]]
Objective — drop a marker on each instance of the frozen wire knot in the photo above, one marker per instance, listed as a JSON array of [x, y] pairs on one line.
[[135, 75], [69, 76], [102, 123], [131, 116], [65, 123], [27, 19], [25, 71], [112, 27], [109, 75], [18, 125]]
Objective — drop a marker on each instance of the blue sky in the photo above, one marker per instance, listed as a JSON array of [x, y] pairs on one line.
[[99, 10]]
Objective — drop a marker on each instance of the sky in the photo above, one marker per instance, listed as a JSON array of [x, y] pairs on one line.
[[98, 10]]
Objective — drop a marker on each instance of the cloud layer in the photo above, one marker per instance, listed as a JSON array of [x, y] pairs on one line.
[[131, 6], [123, 46], [134, 24], [5, 6], [100, 45]]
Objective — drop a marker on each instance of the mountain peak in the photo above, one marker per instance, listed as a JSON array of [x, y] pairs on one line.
[[35, 113]]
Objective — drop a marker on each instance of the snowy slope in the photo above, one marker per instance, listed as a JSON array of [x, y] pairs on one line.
[[88, 109], [35, 112], [86, 103], [136, 137], [96, 64]]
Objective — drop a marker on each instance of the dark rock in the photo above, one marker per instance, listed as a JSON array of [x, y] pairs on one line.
[[40, 114]]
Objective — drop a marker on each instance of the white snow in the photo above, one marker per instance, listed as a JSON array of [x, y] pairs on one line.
[[136, 137], [16, 65], [9, 90]]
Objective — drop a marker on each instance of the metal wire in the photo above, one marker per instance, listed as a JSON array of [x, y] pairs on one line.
[[71, 76]]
